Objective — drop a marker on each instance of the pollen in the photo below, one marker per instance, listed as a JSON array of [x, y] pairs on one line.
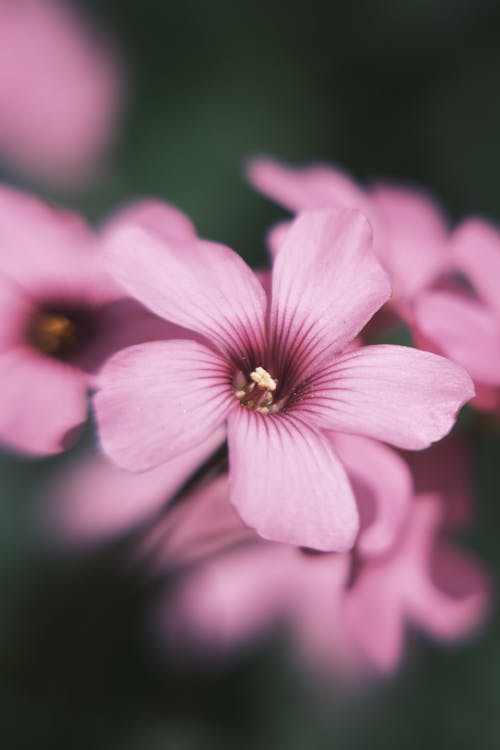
[[263, 379], [52, 334], [255, 391]]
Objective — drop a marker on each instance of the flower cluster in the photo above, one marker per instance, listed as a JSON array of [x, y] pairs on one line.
[[253, 426]]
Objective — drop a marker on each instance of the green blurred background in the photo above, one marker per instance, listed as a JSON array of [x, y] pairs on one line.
[[405, 89]]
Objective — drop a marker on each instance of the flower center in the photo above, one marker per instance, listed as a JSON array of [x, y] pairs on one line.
[[62, 329], [53, 334], [258, 393]]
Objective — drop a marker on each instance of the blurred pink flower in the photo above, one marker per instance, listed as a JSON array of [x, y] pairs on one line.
[[61, 91], [415, 247], [426, 582], [277, 371], [446, 468], [61, 316], [409, 230], [92, 500], [347, 614], [464, 323], [230, 586]]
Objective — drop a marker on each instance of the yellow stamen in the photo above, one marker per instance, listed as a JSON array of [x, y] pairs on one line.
[[52, 333], [263, 379]]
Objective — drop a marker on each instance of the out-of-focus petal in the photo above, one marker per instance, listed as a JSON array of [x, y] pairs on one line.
[[227, 602], [303, 188], [446, 469], [42, 248], [287, 483], [231, 586], [122, 323], [374, 615], [456, 599], [447, 591], [476, 251], [94, 499], [412, 243], [42, 402], [397, 394], [158, 400], [276, 236], [159, 218], [317, 587], [15, 310], [203, 525], [383, 488], [463, 329]]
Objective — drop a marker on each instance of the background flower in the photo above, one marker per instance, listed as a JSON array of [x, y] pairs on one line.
[[61, 91]]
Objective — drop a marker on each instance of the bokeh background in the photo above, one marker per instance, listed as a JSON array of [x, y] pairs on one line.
[[406, 89]]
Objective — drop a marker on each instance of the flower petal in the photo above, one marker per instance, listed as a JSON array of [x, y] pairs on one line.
[[159, 399], [396, 394], [476, 250], [456, 599], [318, 186], [123, 323], [155, 216], [446, 468], [226, 603], [317, 587], [203, 525], [449, 591], [42, 402], [276, 236], [287, 483], [412, 243], [327, 283], [464, 330], [200, 285], [382, 485], [94, 499], [42, 247], [16, 309], [374, 610]]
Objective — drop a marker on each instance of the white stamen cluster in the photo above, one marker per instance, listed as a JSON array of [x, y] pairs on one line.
[[257, 395], [262, 378]]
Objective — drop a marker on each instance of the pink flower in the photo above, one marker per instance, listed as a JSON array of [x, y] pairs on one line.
[[347, 614], [60, 91], [410, 233], [414, 245], [273, 370], [464, 324], [426, 582], [231, 586], [61, 316]]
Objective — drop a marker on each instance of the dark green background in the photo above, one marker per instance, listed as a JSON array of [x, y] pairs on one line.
[[407, 90]]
